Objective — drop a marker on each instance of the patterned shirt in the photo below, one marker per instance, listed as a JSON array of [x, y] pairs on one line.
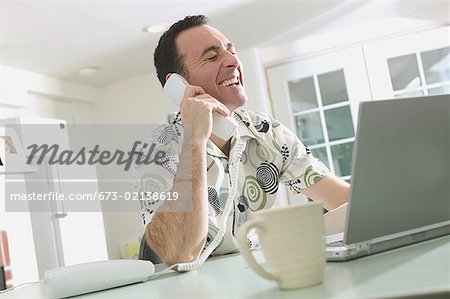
[[272, 154]]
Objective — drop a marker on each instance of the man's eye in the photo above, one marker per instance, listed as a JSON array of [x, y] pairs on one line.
[[212, 57], [232, 50]]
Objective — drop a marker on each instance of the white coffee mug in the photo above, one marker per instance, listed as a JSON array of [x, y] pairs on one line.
[[292, 239]]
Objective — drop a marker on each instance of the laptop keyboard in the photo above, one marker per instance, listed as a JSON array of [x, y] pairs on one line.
[[335, 240], [336, 244]]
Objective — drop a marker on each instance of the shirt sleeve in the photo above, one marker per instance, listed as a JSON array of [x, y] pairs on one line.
[[154, 177], [300, 168]]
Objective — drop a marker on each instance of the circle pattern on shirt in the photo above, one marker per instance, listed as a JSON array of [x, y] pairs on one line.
[[267, 176], [167, 135], [252, 191], [262, 153], [311, 176]]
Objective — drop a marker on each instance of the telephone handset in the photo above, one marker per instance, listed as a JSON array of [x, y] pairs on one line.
[[223, 127]]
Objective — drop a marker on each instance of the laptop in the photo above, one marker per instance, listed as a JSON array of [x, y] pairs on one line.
[[400, 189]]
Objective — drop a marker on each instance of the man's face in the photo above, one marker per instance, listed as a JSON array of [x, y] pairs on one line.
[[211, 62]]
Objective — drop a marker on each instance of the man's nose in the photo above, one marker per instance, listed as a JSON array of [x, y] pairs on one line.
[[231, 60]]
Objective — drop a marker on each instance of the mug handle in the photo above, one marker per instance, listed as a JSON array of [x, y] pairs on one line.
[[245, 251]]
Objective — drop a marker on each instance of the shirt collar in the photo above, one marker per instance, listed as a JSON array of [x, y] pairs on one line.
[[246, 126], [214, 151], [246, 129]]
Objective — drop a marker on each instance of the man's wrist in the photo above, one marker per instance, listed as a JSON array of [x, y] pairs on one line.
[[195, 141]]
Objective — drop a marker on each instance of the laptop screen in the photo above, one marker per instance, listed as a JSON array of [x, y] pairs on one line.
[[401, 162]]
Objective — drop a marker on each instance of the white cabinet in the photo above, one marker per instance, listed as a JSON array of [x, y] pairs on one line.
[[412, 65]]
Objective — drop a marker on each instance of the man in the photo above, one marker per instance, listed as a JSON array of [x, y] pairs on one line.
[[200, 167]]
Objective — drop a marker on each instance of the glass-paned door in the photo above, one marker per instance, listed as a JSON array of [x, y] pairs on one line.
[[410, 66], [323, 120], [318, 99]]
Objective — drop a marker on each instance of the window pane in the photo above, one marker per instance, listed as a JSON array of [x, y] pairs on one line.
[[302, 94], [309, 128], [339, 123], [332, 87], [342, 158], [404, 72], [321, 154], [417, 93], [439, 90], [436, 64]]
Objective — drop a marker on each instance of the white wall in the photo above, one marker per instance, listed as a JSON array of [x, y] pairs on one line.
[[137, 100], [20, 82], [254, 81]]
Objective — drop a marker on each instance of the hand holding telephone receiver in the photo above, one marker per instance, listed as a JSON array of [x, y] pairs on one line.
[[223, 127]]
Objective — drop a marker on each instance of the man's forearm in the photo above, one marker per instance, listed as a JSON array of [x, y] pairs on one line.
[[330, 190], [178, 230]]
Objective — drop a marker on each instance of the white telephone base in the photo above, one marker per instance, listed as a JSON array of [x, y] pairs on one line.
[[90, 277]]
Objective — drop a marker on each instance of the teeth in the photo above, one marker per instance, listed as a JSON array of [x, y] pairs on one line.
[[229, 82]]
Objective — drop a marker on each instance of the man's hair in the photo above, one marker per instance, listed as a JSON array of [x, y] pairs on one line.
[[166, 57]]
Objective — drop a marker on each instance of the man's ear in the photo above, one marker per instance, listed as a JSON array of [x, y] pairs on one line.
[[183, 74], [168, 75]]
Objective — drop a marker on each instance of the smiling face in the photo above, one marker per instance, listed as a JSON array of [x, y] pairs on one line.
[[210, 61]]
